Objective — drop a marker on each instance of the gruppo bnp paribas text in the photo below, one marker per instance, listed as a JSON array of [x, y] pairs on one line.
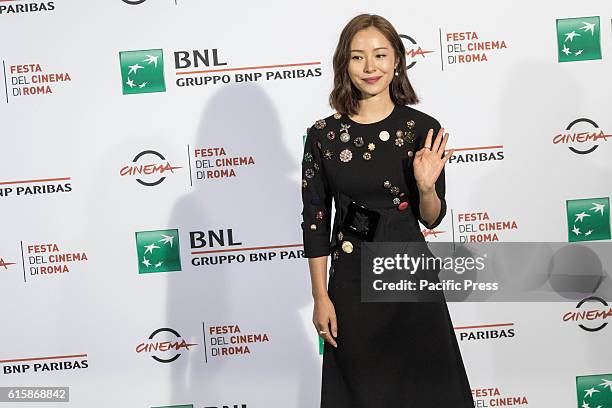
[[206, 67]]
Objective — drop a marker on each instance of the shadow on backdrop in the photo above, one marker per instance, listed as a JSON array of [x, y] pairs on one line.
[[258, 206]]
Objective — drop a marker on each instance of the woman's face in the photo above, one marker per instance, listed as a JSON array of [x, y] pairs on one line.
[[372, 64]]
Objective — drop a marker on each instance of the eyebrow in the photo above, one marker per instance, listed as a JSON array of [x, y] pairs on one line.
[[375, 49]]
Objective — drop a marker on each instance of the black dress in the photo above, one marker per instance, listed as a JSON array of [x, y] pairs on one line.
[[389, 354]]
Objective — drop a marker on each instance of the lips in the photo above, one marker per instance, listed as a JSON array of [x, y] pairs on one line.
[[372, 80]]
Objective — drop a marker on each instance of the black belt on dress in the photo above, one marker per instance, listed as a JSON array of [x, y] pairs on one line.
[[361, 221]]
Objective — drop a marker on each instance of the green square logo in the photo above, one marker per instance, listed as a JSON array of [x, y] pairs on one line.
[[578, 39], [158, 251], [142, 71], [594, 391], [588, 219]]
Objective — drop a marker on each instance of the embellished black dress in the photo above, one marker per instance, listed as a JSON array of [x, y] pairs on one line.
[[389, 354]]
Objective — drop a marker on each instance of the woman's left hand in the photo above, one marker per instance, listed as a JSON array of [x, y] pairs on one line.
[[430, 160]]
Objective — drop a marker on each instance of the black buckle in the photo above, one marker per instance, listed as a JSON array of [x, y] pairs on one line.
[[361, 221]]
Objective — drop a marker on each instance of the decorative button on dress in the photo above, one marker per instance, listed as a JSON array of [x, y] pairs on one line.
[[389, 354]]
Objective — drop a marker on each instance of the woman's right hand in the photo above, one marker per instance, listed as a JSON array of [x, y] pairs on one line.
[[324, 319]]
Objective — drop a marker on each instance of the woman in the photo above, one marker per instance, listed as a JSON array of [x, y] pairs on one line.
[[375, 156]]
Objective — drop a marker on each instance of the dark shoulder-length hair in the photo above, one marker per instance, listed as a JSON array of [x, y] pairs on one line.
[[344, 98]]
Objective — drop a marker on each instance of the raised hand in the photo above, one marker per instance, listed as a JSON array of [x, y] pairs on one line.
[[430, 160]]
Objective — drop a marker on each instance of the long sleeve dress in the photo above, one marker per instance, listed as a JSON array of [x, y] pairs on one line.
[[389, 354]]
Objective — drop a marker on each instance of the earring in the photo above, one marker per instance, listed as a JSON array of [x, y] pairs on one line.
[[396, 74]]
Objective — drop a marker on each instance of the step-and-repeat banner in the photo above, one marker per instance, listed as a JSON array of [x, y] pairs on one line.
[[151, 253]]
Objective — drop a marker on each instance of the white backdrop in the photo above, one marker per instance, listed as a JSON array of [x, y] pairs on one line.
[[79, 132]]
